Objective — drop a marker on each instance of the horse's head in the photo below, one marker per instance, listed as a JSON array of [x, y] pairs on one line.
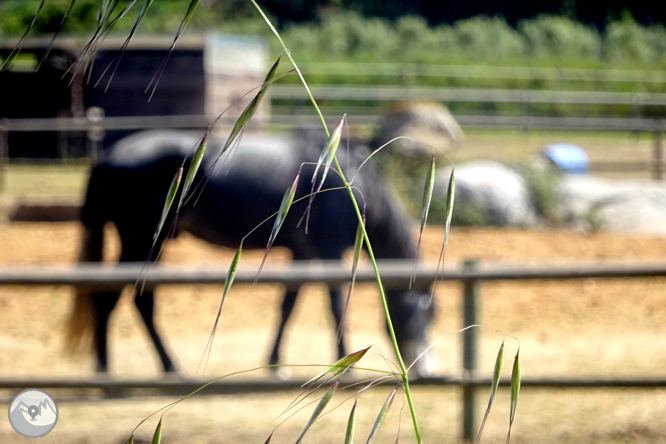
[[412, 313]]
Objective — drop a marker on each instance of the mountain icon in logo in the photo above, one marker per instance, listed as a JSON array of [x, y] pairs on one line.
[[33, 413]]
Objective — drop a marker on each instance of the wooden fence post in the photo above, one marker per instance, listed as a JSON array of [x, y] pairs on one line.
[[470, 294]]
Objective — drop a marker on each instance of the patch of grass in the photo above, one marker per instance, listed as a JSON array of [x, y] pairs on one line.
[[34, 181]]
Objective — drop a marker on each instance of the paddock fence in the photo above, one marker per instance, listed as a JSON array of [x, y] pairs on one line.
[[96, 124], [395, 274]]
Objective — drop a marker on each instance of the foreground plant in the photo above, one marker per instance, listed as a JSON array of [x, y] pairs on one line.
[[327, 162]]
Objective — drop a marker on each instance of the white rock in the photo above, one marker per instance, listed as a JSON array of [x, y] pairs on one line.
[[497, 190]]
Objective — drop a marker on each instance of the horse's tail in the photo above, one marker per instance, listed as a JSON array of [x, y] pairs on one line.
[[80, 330]]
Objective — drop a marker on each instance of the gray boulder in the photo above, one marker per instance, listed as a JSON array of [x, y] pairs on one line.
[[629, 206], [494, 190]]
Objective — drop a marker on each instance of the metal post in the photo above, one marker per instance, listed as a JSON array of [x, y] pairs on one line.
[[95, 134], [657, 152], [470, 294]]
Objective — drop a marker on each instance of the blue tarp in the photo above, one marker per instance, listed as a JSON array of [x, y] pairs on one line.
[[570, 158]]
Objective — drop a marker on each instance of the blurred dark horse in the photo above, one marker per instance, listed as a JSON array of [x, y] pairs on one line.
[[129, 189]]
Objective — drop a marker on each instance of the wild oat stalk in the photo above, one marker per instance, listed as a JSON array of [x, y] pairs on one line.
[[382, 415], [158, 75], [17, 50], [319, 409], [425, 208], [157, 436], [351, 424], [493, 389], [515, 390], [359, 216]]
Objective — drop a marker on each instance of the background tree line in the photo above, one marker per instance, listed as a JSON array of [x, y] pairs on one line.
[[551, 33]]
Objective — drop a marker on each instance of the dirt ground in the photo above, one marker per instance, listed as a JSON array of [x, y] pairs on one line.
[[590, 328]]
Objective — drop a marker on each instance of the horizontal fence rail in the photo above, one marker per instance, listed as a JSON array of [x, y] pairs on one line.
[[72, 124], [243, 386], [467, 95], [395, 274], [410, 70]]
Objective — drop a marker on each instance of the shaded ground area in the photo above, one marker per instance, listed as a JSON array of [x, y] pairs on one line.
[[594, 328]]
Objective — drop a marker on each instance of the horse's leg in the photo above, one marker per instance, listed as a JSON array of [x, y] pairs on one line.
[[287, 308], [337, 308], [146, 304], [136, 241], [103, 304]]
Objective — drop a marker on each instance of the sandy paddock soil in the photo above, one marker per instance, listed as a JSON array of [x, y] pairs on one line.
[[593, 328]]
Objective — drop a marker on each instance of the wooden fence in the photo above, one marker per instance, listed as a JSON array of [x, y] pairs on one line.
[[396, 274], [96, 124]]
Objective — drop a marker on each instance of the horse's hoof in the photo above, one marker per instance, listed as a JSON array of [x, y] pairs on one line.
[[281, 373], [173, 374]]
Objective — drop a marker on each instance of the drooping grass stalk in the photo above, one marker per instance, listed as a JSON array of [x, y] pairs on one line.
[[319, 409], [325, 160], [293, 62], [171, 195], [425, 208], [493, 389], [285, 205], [336, 370], [359, 216], [158, 74], [17, 50], [515, 390], [382, 415], [231, 274], [387, 314], [116, 60], [340, 366], [157, 436], [55, 34], [450, 196], [351, 424], [358, 247]]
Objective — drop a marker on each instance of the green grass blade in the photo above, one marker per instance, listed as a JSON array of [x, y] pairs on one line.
[[293, 62], [319, 409], [55, 34], [328, 153], [325, 159], [351, 425], [285, 205], [130, 440], [158, 74], [119, 56], [382, 415], [340, 366], [450, 197], [250, 109], [17, 50], [425, 208], [231, 274], [358, 246], [515, 390], [193, 169], [171, 195], [493, 389], [186, 20], [157, 437]]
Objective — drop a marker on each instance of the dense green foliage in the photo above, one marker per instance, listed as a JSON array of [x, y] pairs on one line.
[[542, 40]]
